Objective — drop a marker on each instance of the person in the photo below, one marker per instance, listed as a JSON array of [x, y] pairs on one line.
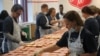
[[3, 15], [77, 39], [52, 18], [96, 15], [11, 29], [91, 23], [60, 14], [98, 54], [98, 11], [42, 22]]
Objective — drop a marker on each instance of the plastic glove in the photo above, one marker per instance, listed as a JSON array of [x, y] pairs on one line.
[[21, 43], [55, 27], [24, 34], [37, 53]]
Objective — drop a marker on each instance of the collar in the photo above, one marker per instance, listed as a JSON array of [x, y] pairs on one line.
[[90, 17]]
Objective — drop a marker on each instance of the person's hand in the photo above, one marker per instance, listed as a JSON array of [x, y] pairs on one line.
[[61, 20], [55, 27], [22, 43], [37, 53], [54, 21], [24, 34]]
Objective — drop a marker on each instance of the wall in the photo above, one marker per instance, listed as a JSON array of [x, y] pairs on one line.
[[34, 8], [7, 4], [68, 6], [30, 12], [37, 8], [96, 2], [1, 5]]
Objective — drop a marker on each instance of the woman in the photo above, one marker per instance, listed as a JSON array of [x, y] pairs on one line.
[[91, 23], [52, 18], [79, 40], [97, 17]]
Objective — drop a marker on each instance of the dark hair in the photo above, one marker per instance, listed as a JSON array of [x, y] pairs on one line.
[[50, 11], [16, 7], [99, 11], [73, 16], [4, 14], [44, 6], [88, 10], [60, 5], [94, 8]]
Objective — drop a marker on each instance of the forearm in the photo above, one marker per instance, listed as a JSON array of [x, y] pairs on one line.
[[47, 49], [53, 22], [51, 48], [46, 26], [12, 38]]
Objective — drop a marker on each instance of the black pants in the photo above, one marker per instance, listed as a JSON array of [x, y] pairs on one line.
[[98, 54]]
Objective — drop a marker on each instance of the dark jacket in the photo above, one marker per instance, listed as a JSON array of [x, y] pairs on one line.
[[57, 16], [92, 25], [98, 19], [41, 22], [1, 30], [49, 18]]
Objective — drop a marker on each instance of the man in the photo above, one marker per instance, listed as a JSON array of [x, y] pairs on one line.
[[12, 30], [42, 22], [60, 14], [97, 17]]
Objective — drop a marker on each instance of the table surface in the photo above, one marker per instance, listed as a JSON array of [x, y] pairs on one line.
[[45, 41]]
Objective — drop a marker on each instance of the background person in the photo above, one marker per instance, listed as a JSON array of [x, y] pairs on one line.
[[60, 15], [52, 18], [3, 15], [42, 22]]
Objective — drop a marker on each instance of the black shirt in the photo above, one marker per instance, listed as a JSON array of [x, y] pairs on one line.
[[41, 21], [57, 15], [8, 25], [98, 53], [98, 19], [92, 25], [88, 41], [1, 25]]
